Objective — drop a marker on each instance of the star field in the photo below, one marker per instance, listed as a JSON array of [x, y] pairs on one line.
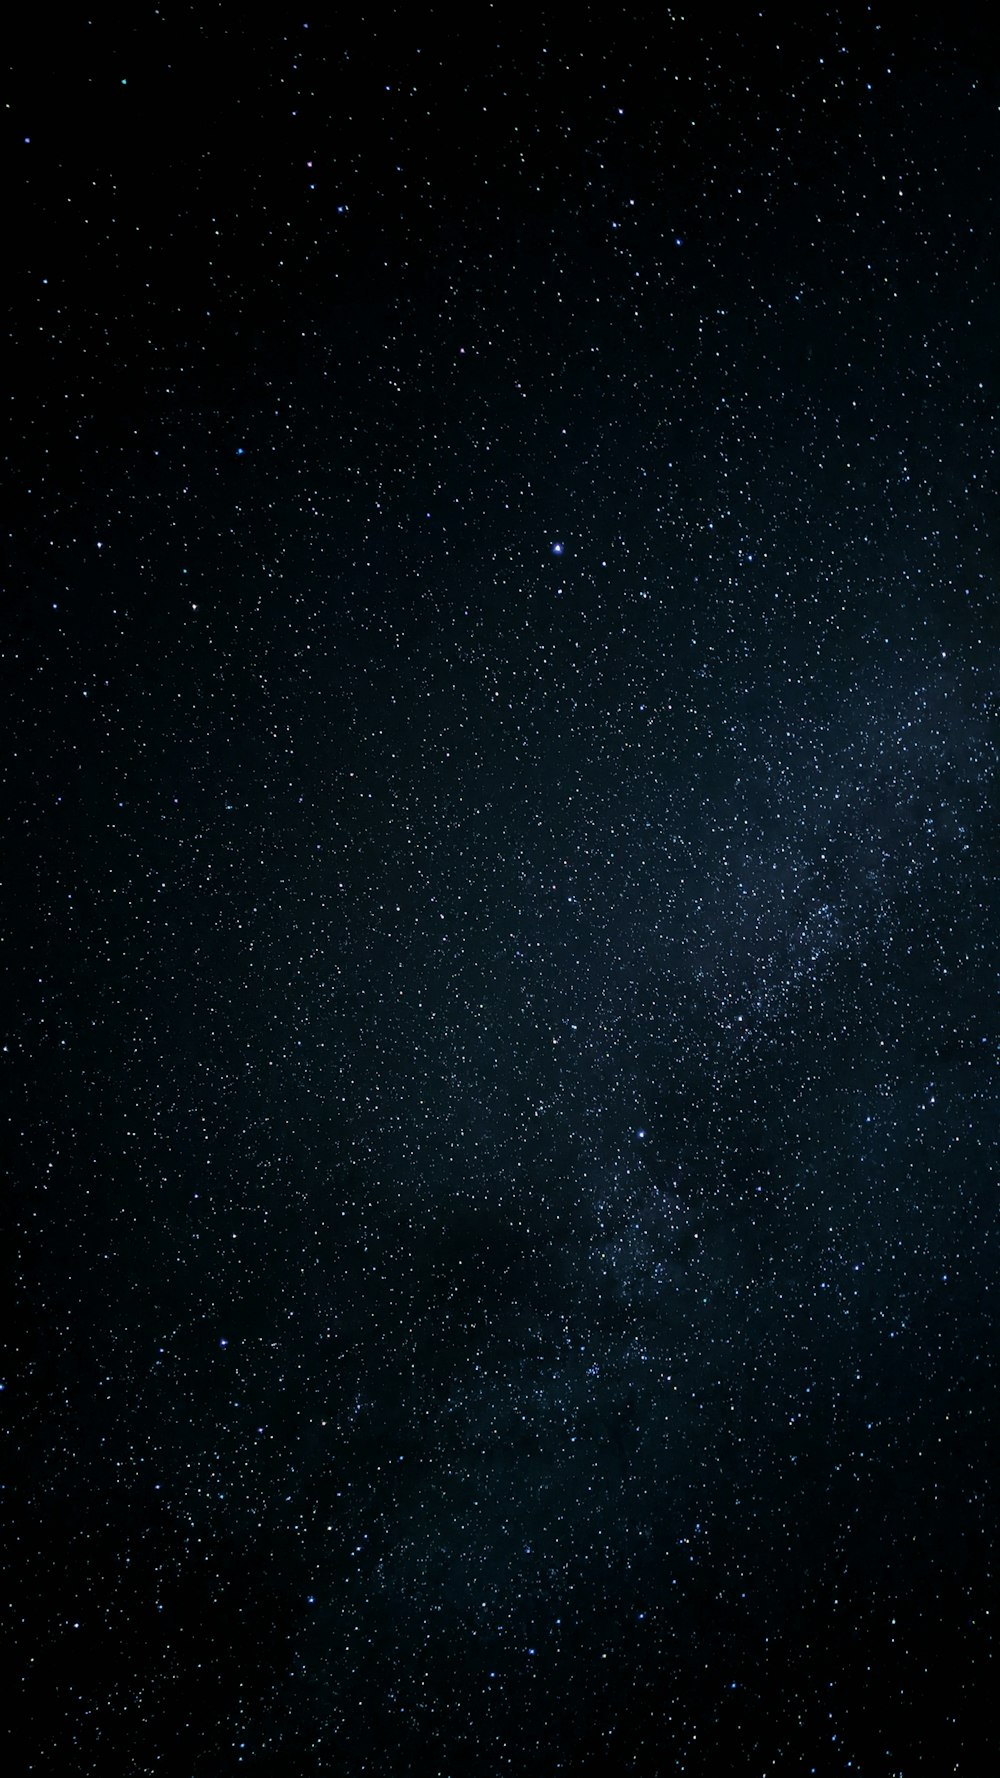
[[499, 1045]]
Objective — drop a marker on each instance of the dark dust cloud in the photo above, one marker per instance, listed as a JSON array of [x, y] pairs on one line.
[[500, 1040]]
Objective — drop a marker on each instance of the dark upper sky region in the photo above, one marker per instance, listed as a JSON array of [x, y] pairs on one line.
[[500, 1040]]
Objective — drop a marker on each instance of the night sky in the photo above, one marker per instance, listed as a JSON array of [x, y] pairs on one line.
[[499, 1009]]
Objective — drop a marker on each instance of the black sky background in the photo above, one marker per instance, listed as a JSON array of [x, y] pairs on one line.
[[500, 683]]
